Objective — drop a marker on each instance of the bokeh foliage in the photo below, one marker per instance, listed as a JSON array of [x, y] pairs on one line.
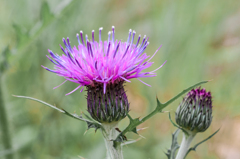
[[200, 41]]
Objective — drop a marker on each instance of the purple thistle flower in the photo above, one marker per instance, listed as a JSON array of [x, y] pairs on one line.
[[104, 62], [103, 67], [195, 111]]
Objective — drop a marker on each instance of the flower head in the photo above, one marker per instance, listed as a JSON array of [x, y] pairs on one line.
[[195, 111], [92, 63], [103, 67]]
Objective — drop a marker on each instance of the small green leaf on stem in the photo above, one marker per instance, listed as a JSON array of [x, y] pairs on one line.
[[183, 92], [177, 125], [171, 153], [132, 120], [135, 122], [91, 124], [194, 147]]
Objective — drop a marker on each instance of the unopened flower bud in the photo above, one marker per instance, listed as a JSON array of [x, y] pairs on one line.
[[195, 111]]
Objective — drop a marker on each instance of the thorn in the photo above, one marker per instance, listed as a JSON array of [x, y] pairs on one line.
[[125, 144], [81, 157], [74, 112], [131, 141], [142, 129], [165, 112], [85, 132], [141, 136], [96, 130], [89, 132], [81, 112], [138, 139], [210, 80]]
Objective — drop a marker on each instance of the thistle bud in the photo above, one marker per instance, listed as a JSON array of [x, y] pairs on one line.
[[195, 111], [109, 107]]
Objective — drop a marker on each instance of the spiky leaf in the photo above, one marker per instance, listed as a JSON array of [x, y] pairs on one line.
[[177, 125], [194, 147], [171, 153], [135, 122], [91, 124]]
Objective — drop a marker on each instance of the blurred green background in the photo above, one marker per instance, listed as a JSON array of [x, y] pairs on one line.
[[200, 42]]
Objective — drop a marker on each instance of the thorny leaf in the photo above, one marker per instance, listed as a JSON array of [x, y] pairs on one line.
[[131, 127], [177, 125], [174, 146], [194, 147], [133, 123], [160, 106], [130, 142], [91, 124]]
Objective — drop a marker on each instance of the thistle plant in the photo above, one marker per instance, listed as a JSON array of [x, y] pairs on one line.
[[102, 68]]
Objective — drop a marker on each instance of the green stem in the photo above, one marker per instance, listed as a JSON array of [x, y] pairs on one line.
[[6, 138], [140, 121], [135, 122], [186, 141], [109, 134]]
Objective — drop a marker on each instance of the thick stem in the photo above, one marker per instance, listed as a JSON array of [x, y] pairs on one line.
[[6, 139], [186, 141], [110, 134]]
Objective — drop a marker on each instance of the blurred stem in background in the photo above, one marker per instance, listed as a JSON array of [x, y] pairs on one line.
[[6, 137]]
